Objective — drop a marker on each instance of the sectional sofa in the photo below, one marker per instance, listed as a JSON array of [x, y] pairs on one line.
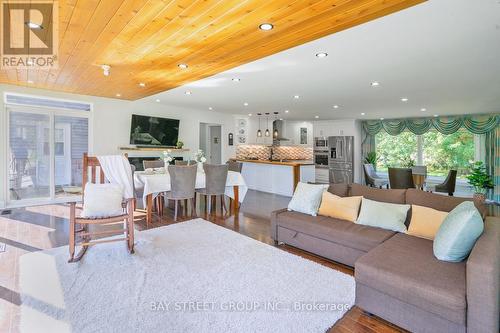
[[397, 276]]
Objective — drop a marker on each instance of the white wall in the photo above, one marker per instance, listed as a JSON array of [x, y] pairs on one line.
[[110, 124]]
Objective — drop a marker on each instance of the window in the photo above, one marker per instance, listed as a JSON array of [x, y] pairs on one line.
[[437, 151], [46, 145]]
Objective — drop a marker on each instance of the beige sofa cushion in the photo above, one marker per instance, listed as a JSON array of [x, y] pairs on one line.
[[425, 221], [341, 208]]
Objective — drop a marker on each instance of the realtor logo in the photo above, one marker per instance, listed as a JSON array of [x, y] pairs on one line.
[[29, 34]]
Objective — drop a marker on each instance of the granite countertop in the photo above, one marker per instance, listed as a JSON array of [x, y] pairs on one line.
[[279, 162]]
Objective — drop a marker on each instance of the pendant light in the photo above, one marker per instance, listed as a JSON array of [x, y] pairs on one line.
[[267, 133], [259, 132], [275, 130]]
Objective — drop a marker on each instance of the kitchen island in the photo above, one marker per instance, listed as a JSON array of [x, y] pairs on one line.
[[278, 177]]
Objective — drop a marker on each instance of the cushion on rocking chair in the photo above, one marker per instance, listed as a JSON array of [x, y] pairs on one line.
[[102, 200]]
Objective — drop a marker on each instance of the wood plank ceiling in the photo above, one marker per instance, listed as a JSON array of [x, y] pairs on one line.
[[144, 41]]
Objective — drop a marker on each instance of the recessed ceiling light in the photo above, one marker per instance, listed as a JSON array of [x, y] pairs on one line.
[[335, 106], [188, 92], [266, 26], [210, 108], [375, 84], [30, 81], [157, 100], [381, 118], [118, 95], [245, 104], [286, 111], [404, 99], [235, 79], [296, 96], [182, 66], [316, 117], [436, 115], [423, 109], [249, 114], [322, 55], [33, 25], [362, 113], [142, 84]]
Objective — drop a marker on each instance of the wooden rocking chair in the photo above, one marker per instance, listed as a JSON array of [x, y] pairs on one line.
[[84, 223]]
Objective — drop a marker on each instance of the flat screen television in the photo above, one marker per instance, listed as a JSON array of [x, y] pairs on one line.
[[154, 131]]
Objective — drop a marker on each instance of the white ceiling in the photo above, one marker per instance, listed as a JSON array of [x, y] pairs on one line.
[[443, 55]]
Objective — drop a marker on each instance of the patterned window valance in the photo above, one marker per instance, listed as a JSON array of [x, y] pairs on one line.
[[478, 124]]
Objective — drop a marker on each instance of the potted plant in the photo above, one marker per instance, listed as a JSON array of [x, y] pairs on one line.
[[180, 144], [371, 158], [480, 180]]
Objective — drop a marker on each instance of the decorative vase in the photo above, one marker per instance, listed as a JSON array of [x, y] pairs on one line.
[[480, 197], [166, 162], [200, 167]]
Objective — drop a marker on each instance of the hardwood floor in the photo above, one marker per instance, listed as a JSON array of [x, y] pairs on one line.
[[30, 229]]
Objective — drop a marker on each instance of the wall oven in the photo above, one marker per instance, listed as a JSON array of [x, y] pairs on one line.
[[321, 159], [320, 143]]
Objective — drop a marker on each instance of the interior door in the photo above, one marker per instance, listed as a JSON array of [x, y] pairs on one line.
[[215, 145]]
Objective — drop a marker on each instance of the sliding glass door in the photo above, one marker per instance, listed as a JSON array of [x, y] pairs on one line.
[[45, 154]]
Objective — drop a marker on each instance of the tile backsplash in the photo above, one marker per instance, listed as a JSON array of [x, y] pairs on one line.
[[263, 152]]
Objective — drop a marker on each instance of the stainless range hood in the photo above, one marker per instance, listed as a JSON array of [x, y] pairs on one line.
[[279, 126]]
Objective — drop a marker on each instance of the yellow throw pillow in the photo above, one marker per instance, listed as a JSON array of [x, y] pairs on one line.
[[346, 208], [425, 221]]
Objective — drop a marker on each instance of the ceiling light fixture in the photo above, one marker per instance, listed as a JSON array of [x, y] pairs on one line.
[[188, 92], [245, 104], [106, 69], [118, 95], [423, 109], [33, 25], [266, 26], [286, 111], [335, 106], [259, 132], [142, 84], [275, 129], [210, 108], [436, 115], [404, 99], [375, 84], [249, 114], [235, 79], [182, 66], [316, 117], [322, 55], [157, 100], [381, 118], [267, 133], [362, 113], [296, 96]]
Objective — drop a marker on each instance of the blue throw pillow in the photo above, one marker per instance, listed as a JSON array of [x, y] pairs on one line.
[[458, 233]]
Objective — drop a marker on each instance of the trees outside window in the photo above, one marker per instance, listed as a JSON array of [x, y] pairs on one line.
[[437, 151]]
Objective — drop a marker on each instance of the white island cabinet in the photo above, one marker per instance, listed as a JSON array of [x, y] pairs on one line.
[[277, 177]]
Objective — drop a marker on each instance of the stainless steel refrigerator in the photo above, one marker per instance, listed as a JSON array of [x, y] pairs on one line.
[[341, 159]]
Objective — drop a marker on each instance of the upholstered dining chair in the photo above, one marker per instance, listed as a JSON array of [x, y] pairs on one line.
[[181, 162], [401, 178], [182, 184], [215, 184], [97, 176], [448, 186], [371, 177], [153, 164], [234, 166]]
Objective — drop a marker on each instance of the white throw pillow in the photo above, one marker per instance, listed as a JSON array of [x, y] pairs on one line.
[[306, 199], [383, 215], [102, 200]]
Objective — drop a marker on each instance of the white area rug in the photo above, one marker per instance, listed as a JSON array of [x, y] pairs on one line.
[[193, 276]]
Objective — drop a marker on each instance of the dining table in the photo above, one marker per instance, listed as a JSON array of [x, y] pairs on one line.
[[157, 182]]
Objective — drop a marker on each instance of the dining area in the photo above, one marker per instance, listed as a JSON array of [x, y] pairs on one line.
[[410, 177], [183, 185]]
